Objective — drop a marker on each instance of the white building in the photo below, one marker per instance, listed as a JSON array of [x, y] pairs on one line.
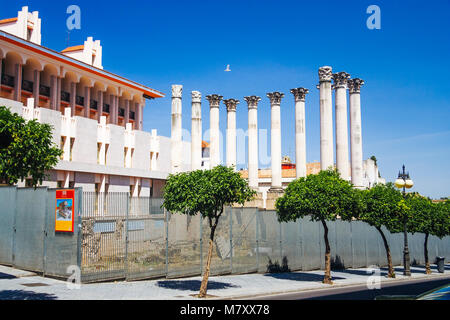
[[96, 115]]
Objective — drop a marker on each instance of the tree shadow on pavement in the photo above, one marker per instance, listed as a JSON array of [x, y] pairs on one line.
[[300, 276], [193, 285], [6, 276], [25, 295]]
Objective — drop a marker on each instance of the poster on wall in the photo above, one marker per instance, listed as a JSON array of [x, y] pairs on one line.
[[64, 211]]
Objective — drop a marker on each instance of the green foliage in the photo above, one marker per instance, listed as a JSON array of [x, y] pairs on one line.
[[428, 217], [29, 150], [323, 196], [205, 191], [384, 206]]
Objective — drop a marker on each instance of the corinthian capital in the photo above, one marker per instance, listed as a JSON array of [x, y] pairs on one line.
[[275, 97], [354, 85], [299, 93], [340, 79], [214, 100], [231, 104], [177, 90], [252, 101], [196, 96], [325, 73]]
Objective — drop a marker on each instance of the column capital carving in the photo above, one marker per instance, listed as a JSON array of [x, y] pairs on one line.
[[325, 73], [299, 93], [214, 100], [275, 97], [196, 96], [177, 90], [354, 85], [231, 104], [341, 79], [252, 101]]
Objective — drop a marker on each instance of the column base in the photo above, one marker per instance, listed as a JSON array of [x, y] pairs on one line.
[[257, 202], [272, 195]]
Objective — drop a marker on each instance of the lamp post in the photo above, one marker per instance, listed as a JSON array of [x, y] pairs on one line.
[[404, 182]]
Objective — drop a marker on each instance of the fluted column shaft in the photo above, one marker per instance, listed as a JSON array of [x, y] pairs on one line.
[[342, 151], [196, 134], [176, 143], [253, 160], [300, 134], [231, 132], [214, 129], [356, 132], [275, 138], [326, 119]]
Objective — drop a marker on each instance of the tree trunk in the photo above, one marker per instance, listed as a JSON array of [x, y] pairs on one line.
[[204, 285], [425, 248], [391, 272], [327, 276]]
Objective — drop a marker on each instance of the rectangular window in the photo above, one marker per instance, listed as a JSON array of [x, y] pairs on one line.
[[106, 152], [62, 143], [125, 151], [99, 147], [72, 141]]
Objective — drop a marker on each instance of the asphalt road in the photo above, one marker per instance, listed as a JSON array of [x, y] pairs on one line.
[[360, 292]]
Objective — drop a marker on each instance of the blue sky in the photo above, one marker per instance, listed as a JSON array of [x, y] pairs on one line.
[[279, 45]]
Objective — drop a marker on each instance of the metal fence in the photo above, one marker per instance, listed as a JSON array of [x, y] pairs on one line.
[[27, 232], [120, 237], [126, 244]]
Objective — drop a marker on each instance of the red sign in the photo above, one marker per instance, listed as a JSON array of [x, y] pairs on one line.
[[64, 210]]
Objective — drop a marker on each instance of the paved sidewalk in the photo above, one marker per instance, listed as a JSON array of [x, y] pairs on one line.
[[22, 285]]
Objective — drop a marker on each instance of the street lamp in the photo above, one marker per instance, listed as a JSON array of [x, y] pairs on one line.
[[405, 182]]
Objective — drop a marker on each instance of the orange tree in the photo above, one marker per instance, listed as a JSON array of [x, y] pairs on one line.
[[323, 197], [428, 218], [26, 149], [206, 192], [384, 207]]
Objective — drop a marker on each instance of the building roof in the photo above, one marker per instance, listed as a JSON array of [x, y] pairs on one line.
[[9, 20], [311, 168], [73, 48], [205, 144], [60, 57]]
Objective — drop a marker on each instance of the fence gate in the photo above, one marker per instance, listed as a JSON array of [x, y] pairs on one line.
[[29, 230]]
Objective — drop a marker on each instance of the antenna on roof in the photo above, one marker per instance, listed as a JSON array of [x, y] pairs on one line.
[[68, 38]]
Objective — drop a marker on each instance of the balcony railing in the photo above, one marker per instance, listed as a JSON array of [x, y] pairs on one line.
[[8, 80], [106, 107], [121, 112], [93, 104], [79, 100], [27, 85], [65, 96], [132, 115], [44, 90]]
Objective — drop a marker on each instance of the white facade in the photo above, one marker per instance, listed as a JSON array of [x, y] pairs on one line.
[[27, 25]]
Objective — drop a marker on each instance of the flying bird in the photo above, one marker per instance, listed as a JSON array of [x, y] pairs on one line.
[[228, 68]]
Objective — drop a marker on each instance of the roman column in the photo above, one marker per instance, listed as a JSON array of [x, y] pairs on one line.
[[214, 133], [196, 134], [326, 119], [176, 143], [275, 139], [354, 86], [231, 132], [340, 100], [253, 161], [300, 135]]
